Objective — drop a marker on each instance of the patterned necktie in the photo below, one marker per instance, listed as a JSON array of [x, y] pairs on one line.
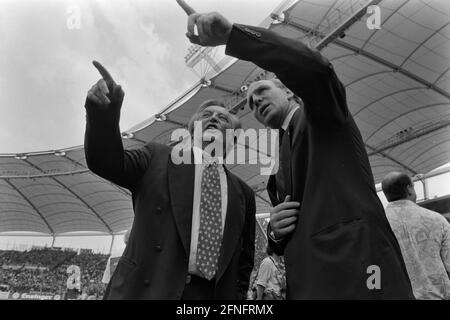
[[210, 233]]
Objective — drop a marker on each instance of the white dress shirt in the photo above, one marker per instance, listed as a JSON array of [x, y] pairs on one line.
[[288, 118], [200, 155]]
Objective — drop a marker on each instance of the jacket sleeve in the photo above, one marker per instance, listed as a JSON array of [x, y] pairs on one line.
[[247, 258], [276, 245], [304, 71], [104, 151]]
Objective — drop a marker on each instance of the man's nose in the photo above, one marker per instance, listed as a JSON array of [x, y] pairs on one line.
[[214, 117], [257, 100]]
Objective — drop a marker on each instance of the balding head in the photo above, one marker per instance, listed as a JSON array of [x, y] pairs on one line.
[[398, 186]]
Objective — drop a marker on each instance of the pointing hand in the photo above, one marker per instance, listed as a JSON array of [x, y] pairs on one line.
[[213, 29], [105, 92]]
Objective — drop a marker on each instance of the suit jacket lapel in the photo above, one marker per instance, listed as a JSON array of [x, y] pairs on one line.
[[234, 223], [181, 187], [289, 139], [298, 125], [272, 190], [285, 184]]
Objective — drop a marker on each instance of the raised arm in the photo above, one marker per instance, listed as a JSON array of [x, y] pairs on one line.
[[103, 146], [304, 71]]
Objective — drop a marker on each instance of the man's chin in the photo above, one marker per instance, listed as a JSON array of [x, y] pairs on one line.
[[212, 134]]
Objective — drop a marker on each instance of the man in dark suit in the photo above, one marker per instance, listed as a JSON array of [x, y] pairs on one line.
[[194, 225], [342, 246]]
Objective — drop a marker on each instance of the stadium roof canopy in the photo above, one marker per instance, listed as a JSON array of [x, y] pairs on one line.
[[397, 82]]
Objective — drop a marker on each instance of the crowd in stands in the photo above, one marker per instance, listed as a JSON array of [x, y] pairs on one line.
[[45, 270]]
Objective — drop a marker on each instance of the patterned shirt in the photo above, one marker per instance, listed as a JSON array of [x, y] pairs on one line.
[[271, 276], [424, 239]]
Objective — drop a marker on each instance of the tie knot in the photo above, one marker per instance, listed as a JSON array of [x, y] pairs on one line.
[[212, 164]]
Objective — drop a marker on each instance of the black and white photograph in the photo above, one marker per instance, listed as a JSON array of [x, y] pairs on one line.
[[218, 153]]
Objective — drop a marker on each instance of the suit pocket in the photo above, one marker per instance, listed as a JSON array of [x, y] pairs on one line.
[[334, 230], [337, 257], [122, 275]]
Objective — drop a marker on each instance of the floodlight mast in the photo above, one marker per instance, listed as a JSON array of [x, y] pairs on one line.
[[199, 60]]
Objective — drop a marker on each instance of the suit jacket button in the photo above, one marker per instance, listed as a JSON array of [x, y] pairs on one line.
[[146, 282], [158, 248], [158, 210]]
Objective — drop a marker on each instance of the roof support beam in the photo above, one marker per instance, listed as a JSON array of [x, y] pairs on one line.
[[412, 137], [32, 176], [391, 158], [445, 122], [370, 56], [394, 67], [52, 232], [384, 22], [124, 191], [326, 39], [75, 195], [423, 42]]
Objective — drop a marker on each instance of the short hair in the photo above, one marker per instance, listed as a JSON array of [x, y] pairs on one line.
[[277, 82], [212, 102], [394, 186]]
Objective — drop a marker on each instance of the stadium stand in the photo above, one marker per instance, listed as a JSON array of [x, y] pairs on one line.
[[45, 271]]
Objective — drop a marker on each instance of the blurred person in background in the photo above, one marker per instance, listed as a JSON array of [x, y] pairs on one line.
[[423, 235], [270, 282]]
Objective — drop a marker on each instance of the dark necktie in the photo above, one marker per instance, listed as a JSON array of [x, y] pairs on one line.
[[210, 233], [283, 176]]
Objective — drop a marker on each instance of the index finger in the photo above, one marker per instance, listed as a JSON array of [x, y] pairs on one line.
[[187, 8], [287, 205], [104, 73]]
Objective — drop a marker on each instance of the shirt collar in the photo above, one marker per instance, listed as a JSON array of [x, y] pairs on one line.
[[288, 118], [401, 203]]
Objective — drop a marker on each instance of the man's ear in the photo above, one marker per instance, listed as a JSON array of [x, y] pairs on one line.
[[289, 93]]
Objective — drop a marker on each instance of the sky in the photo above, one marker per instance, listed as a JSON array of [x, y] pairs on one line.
[[46, 70]]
